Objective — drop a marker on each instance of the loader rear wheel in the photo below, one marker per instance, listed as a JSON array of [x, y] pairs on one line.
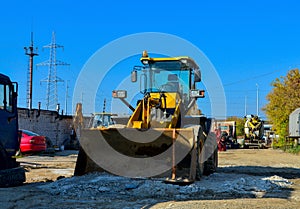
[[210, 166], [200, 164]]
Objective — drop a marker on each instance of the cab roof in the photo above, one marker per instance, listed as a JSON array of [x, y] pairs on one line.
[[4, 79], [185, 60]]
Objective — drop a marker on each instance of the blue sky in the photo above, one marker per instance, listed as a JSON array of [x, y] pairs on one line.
[[248, 42]]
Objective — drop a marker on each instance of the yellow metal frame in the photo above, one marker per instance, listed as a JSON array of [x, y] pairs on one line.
[[140, 118]]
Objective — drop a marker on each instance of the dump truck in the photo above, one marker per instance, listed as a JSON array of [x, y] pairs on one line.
[[11, 174], [163, 137], [254, 132]]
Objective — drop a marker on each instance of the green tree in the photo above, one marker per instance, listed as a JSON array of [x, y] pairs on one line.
[[282, 100]]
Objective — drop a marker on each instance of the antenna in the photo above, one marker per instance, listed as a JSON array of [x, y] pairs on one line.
[[52, 79], [30, 52]]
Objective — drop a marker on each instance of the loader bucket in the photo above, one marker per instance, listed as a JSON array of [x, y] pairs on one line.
[[133, 153]]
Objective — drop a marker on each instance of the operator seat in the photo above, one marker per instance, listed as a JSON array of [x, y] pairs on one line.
[[172, 85]]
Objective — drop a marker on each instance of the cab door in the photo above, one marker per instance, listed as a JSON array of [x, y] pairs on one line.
[[9, 140]]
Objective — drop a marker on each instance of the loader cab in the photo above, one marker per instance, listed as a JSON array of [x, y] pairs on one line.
[[102, 120], [176, 74]]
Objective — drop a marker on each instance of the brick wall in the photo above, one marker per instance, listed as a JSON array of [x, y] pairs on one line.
[[48, 123]]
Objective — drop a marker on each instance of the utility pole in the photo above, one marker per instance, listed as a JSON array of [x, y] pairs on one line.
[[245, 105], [67, 96], [52, 79], [30, 52]]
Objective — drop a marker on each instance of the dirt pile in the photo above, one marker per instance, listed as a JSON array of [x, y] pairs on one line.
[[139, 191]]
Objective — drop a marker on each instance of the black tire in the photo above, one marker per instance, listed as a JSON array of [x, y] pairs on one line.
[[216, 159], [49, 143], [6, 161], [85, 164], [208, 123], [12, 177], [3, 159], [10, 172], [200, 164], [80, 168], [68, 145], [210, 166]]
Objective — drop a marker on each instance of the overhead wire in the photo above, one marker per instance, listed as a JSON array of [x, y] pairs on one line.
[[251, 78]]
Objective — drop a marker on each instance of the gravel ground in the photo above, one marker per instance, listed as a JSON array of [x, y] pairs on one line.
[[246, 179]]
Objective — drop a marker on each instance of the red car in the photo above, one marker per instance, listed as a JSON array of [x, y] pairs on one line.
[[32, 142]]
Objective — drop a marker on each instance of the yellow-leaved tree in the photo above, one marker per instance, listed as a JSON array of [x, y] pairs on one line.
[[282, 101]]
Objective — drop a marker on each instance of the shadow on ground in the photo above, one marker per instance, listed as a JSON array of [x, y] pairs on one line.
[[285, 172]]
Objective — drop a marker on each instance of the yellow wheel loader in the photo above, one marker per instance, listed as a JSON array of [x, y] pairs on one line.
[[166, 136]]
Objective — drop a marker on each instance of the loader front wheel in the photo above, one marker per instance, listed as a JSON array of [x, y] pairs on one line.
[[85, 164], [80, 163]]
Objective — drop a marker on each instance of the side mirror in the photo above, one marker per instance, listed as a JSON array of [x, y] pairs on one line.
[[197, 75], [133, 76]]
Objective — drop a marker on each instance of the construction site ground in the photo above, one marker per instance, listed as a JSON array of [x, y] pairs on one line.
[[253, 178]]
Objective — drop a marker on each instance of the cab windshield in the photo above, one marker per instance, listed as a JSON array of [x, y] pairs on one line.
[[102, 120], [167, 76]]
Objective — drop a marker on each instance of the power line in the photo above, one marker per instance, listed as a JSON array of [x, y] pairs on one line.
[[52, 79], [251, 78]]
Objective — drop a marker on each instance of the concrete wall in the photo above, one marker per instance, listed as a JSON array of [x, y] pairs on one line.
[[47, 123]]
